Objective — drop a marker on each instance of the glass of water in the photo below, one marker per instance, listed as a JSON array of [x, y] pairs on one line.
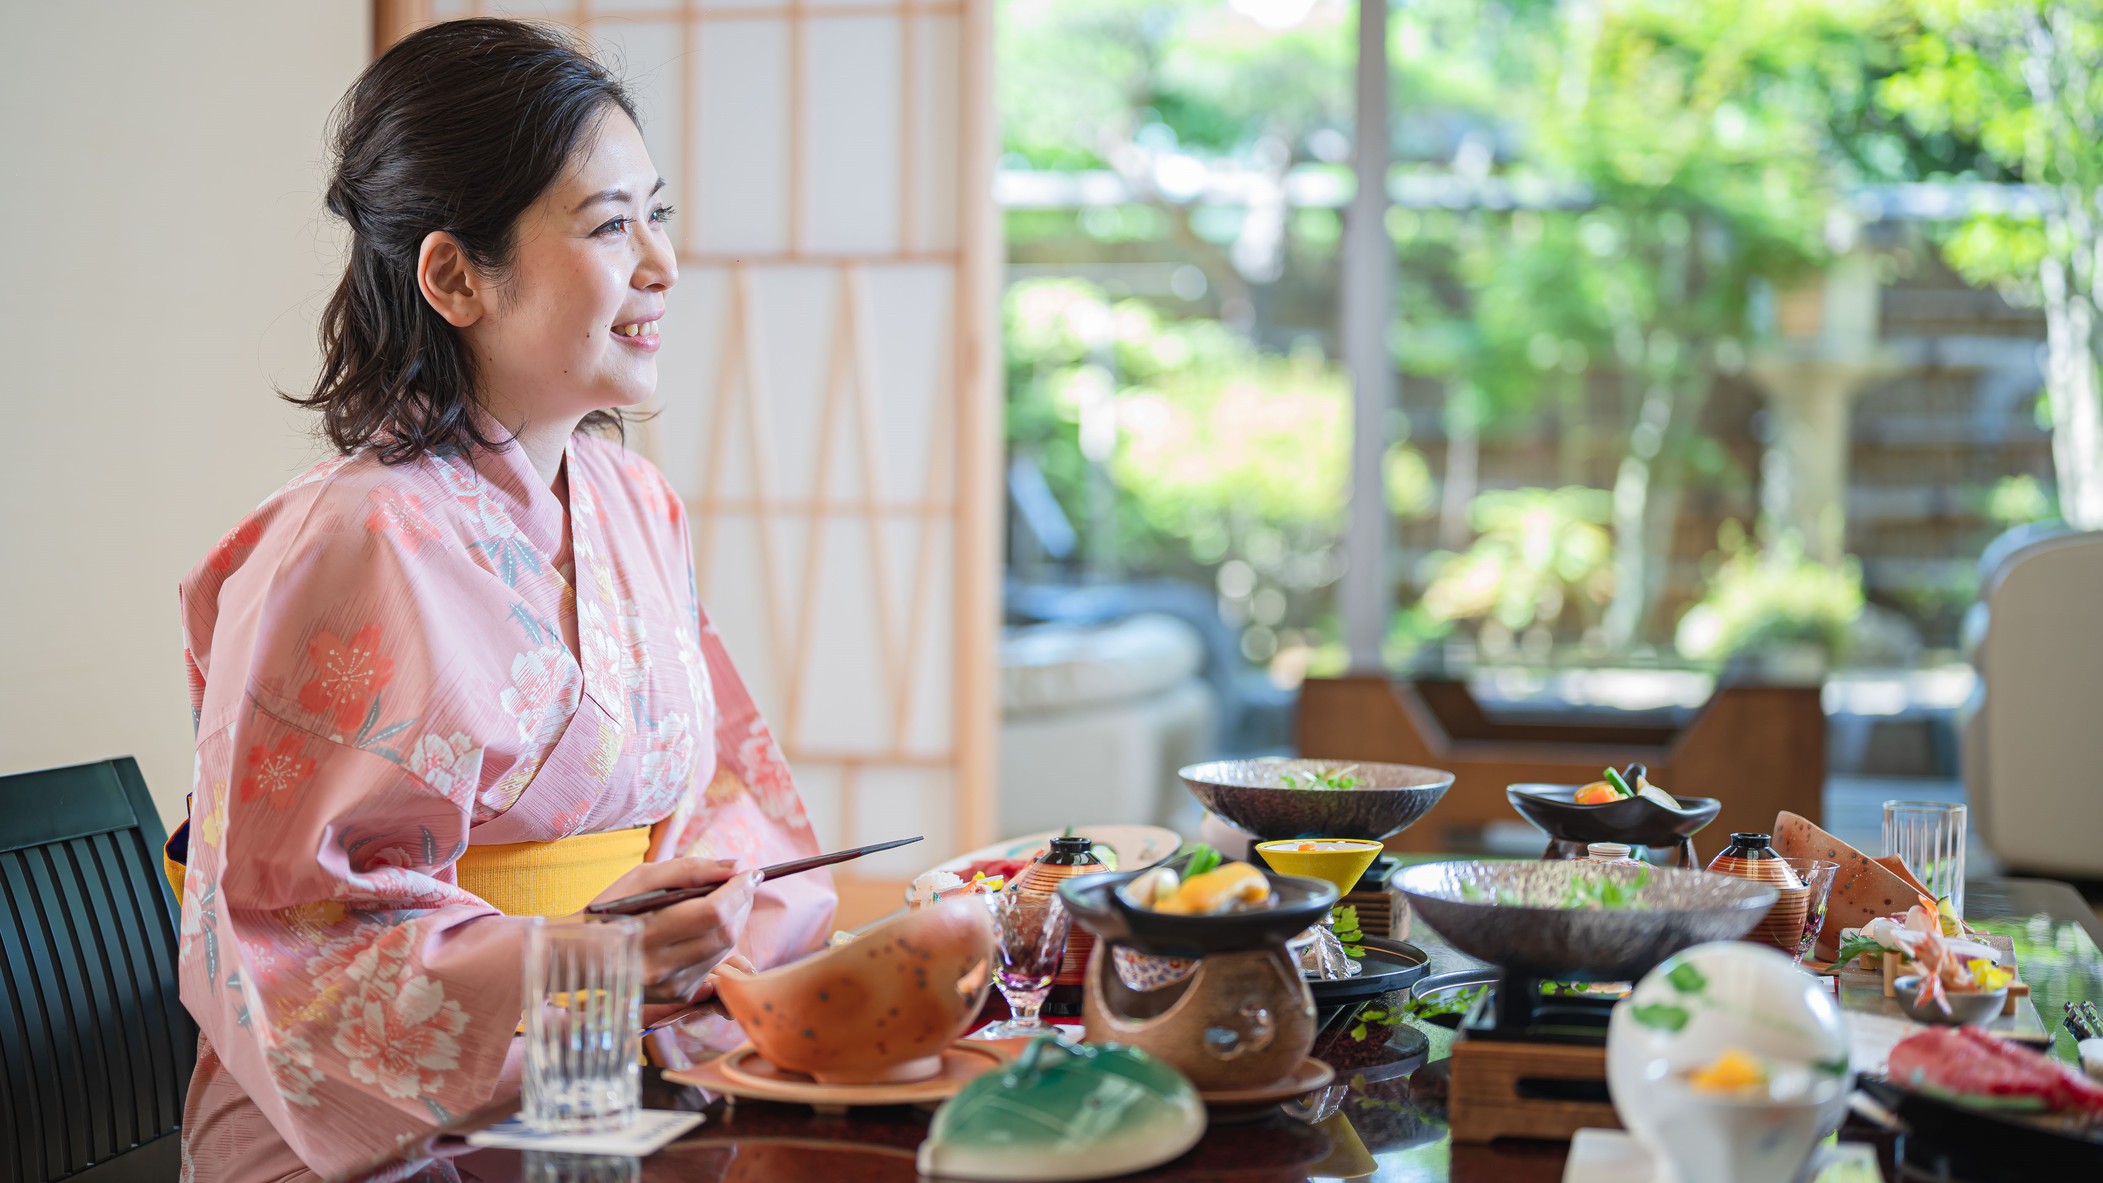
[[1929, 836], [1029, 937], [584, 1012]]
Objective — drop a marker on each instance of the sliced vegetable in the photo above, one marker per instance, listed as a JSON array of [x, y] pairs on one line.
[[1614, 778]]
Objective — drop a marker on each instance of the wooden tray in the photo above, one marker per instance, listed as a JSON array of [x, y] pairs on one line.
[[1493, 1090], [1869, 990], [745, 1074]]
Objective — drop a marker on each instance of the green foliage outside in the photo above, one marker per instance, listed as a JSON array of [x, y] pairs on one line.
[[1772, 601], [2024, 79], [1702, 148]]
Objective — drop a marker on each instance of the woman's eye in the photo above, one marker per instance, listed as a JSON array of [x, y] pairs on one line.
[[618, 226], [663, 214]]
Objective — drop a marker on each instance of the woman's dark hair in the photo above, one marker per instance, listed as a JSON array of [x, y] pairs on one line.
[[459, 127]]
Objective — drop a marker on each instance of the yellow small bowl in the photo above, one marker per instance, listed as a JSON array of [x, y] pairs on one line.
[[1339, 861]]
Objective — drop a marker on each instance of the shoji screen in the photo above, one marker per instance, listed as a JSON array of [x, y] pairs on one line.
[[828, 397]]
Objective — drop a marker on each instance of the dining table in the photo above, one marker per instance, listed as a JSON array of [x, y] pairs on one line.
[[1382, 1119]]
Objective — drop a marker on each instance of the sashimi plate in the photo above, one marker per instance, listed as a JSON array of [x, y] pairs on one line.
[[1135, 847]]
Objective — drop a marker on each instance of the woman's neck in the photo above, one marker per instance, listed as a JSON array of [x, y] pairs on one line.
[[543, 440]]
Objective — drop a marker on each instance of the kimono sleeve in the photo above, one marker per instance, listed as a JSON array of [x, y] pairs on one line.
[[354, 992], [745, 804]]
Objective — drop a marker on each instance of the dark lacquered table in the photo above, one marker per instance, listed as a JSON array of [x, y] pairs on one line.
[[1390, 1093]]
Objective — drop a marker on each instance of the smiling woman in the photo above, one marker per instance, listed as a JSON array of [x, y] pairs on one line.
[[506, 240], [458, 676]]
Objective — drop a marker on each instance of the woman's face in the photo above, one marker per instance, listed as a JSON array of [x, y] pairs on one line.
[[573, 327]]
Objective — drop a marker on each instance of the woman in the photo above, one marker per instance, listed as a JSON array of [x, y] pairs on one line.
[[457, 674]]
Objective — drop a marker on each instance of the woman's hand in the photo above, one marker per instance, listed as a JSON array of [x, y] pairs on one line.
[[683, 942]]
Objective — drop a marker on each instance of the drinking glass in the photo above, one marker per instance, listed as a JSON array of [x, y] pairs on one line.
[[1029, 931], [1929, 836], [1817, 876], [584, 1010], [548, 1166]]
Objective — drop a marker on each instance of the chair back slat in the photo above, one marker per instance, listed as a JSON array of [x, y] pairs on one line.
[[95, 1047]]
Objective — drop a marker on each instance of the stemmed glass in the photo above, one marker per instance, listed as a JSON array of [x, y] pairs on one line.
[[1029, 931]]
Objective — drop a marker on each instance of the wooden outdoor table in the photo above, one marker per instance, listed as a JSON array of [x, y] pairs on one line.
[[1398, 1117]]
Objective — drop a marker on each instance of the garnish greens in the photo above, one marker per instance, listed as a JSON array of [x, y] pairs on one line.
[[1344, 920], [1855, 946], [1603, 892], [1445, 1003], [1202, 859], [1606, 892], [1311, 778]]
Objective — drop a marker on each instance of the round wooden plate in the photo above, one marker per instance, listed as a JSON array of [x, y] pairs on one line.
[[1312, 1074], [744, 1073]]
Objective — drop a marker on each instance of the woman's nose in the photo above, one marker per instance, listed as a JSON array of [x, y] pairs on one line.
[[659, 266]]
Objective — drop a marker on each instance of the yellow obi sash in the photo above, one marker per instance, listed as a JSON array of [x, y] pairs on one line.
[[551, 878]]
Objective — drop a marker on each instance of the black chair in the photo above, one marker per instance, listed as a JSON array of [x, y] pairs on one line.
[[95, 1046]]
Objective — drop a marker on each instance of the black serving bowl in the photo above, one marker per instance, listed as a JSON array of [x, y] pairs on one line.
[[1251, 795], [1637, 821], [1098, 904]]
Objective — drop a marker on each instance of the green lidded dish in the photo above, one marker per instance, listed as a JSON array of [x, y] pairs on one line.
[[1063, 1112]]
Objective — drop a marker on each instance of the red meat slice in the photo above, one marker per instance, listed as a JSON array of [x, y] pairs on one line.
[[1967, 1062]]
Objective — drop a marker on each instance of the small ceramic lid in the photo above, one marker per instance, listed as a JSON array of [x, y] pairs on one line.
[[1608, 851], [1061, 1112]]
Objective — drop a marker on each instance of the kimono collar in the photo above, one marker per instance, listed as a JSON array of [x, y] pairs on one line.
[[517, 486]]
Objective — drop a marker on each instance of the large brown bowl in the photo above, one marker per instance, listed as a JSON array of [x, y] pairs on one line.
[[1251, 795], [1511, 914], [877, 1010]]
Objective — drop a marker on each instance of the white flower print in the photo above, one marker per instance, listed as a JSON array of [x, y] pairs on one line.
[[667, 766], [543, 693], [700, 689], [452, 765], [291, 1060], [398, 1029], [601, 658]]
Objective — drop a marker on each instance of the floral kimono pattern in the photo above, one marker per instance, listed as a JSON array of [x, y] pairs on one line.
[[388, 665]]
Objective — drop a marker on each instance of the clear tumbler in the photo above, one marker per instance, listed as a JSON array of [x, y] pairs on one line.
[[584, 1000], [1929, 836]]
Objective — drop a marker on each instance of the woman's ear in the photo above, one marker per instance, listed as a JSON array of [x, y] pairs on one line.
[[448, 280]]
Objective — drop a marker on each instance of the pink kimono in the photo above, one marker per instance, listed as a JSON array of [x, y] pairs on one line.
[[386, 666]]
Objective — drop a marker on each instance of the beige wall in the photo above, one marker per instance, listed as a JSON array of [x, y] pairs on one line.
[[163, 255]]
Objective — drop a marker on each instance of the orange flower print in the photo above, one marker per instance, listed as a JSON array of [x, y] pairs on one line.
[[653, 490], [230, 546], [347, 676], [767, 774], [400, 516], [275, 770]]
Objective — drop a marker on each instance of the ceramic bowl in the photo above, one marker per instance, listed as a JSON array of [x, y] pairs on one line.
[[1687, 1012], [1251, 795], [1510, 914], [1098, 906], [1637, 821], [1061, 1112], [1974, 1008], [1711, 1139], [877, 1010]]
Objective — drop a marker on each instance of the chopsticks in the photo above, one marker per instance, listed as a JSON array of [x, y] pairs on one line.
[[2083, 1021], [664, 897]]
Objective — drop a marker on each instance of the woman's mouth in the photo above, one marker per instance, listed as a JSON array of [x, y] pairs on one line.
[[637, 334]]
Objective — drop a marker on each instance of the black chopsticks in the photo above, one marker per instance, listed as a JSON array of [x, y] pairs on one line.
[[664, 897]]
